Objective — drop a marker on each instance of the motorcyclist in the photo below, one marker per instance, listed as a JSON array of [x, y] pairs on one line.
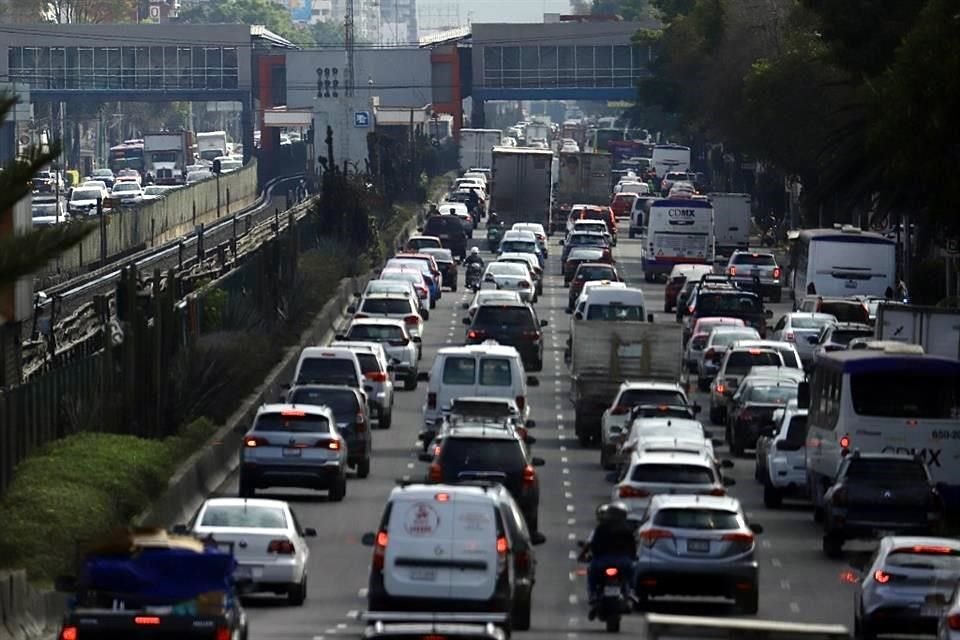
[[473, 258], [494, 219], [612, 543], [433, 211]]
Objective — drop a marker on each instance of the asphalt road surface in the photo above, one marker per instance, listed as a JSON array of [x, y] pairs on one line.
[[797, 583]]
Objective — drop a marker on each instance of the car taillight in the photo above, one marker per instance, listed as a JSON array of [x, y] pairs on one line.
[[476, 334], [70, 633], [360, 316], [431, 401], [626, 491], [881, 576], [953, 621], [333, 445], [436, 473], [376, 376], [739, 538], [844, 442], [720, 388], [840, 496], [732, 271], [411, 319], [253, 441], [223, 633], [380, 550], [530, 335], [523, 284], [789, 336], [649, 537], [147, 620], [717, 491], [521, 402], [620, 410], [422, 292], [281, 546], [529, 476], [523, 560], [776, 273], [611, 572], [503, 547]]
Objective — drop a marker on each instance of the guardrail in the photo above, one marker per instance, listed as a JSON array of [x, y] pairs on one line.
[[673, 627]]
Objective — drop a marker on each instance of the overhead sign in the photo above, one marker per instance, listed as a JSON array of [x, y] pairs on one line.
[[361, 119]]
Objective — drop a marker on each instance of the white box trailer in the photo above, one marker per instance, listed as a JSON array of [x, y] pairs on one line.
[[476, 148], [731, 221], [935, 329]]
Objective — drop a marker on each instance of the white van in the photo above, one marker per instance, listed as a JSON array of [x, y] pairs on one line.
[[615, 303], [329, 365], [480, 370], [670, 157]]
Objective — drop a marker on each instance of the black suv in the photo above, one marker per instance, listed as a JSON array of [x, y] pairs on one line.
[[511, 324], [475, 454], [450, 230], [878, 493], [350, 412], [729, 301]]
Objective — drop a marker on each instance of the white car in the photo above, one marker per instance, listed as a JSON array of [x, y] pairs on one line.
[[797, 327], [530, 260], [197, 176], [397, 306], [269, 544], [377, 381], [511, 276], [645, 428], [83, 200], [403, 349], [785, 468], [650, 474], [613, 422], [415, 278], [154, 192], [489, 296], [128, 192]]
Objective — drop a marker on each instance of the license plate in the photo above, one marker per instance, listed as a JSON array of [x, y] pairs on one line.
[[611, 590], [248, 573], [423, 575], [931, 611], [850, 284], [699, 546], [397, 377], [443, 237], [291, 452]]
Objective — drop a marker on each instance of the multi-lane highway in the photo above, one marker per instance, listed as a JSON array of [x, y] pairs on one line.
[[797, 583]]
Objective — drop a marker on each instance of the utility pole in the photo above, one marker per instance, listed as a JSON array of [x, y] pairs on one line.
[[348, 43]]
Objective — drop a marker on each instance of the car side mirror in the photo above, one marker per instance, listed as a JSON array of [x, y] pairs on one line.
[[729, 482], [368, 539], [544, 323], [424, 456], [768, 313], [613, 477], [309, 532], [180, 529], [726, 464], [340, 337], [803, 395], [649, 317], [560, 242], [416, 339], [423, 376], [465, 321], [356, 294], [65, 584], [578, 316], [530, 424], [716, 442], [537, 462], [537, 538], [756, 528], [568, 311], [352, 309], [533, 381], [420, 229], [465, 305]]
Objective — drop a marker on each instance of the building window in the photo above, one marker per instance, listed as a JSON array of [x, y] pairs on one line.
[[566, 67], [548, 67]]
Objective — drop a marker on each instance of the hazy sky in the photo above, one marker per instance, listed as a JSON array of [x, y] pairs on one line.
[[490, 10]]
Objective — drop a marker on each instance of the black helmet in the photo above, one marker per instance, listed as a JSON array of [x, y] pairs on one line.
[[612, 512]]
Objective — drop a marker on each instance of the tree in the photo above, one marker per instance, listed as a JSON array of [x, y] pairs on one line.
[[273, 16], [626, 9], [26, 253], [78, 11], [580, 7], [327, 34]]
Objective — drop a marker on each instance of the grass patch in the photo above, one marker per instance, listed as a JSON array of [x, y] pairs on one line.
[[83, 486]]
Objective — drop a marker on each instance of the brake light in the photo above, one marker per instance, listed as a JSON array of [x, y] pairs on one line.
[[380, 550], [931, 550], [844, 442], [739, 538], [431, 401], [252, 442], [721, 388], [717, 491], [523, 284], [732, 271], [611, 572], [953, 621], [70, 633], [620, 410], [442, 497], [626, 491], [411, 319], [282, 546], [522, 559], [436, 473], [333, 445], [650, 536], [502, 546], [529, 476], [776, 273], [881, 576], [789, 337], [521, 403], [293, 413], [147, 620], [530, 335], [376, 376]]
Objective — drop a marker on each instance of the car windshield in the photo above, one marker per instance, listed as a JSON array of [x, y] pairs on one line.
[[460, 455], [369, 363], [507, 269], [491, 315], [376, 333], [244, 516], [44, 210], [740, 362], [724, 337], [292, 422], [756, 259], [845, 311], [596, 273], [481, 408], [728, 302], [774, 394], [342, 402], [518, 246], [594, 239], [704, 519], [328, 371], [386, 305], [671, 474], [808, 322], [126, 186], [410, 276]]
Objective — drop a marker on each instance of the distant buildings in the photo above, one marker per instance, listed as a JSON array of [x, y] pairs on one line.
[[375, 22]]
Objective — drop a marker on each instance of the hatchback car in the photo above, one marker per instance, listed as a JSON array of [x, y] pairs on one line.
[[401, 347], [737, 362], [717, 343], [693, 545], [449, 229], [698, 339], [677, 278], [489, 296], [351, 415], [783, 469], [615, 421], [269, 543], [390, 305], [511, 276], [294, 446], [589, 272], [584, 239], [798, 327], [515, 325], [751, 268], [581, 255], [650, 474], [417, 242], [447, 265], [752, 410], [419, 283], [843, 309], [377, 378], [837, 336]]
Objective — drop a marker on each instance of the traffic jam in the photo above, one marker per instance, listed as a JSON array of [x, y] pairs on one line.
[[571, 426]]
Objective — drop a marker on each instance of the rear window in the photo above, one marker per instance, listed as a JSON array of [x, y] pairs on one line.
[[844, 336], [251, 516], [722, 303], [517, 317], [845, 311], [704, 519], [368, 363], [481, 409], [933, 558], [328, 371], [773, 394], [375, 333], [886, 469], [725, 338], [446, 225], [741, 361], [385, 305], [459, 370], [759, 259], [518, 246], [480, 454], [596, 273], [671, 474], [292, 423], [588, 239], [633, 397], [618, 312], [495, 372], [799, 322], [342, 403], [797, 431]]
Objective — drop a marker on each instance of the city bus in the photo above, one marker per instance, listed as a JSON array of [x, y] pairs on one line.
[[598, 140], [679, 230], [842, 262], [892, 400], [128, 155]]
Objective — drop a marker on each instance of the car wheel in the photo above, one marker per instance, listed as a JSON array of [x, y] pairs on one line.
[[630, 235], [410, 383], [613, 624], [777, 296], [537, 365], [832, 545], [339, 489], [772, 498], [297, 593], [648, 277], [862, 630], [736, 448], [605, 459], [247, 488], [386, 420], [714, 415], [521, 613], [703, 384], [453, 287], [749, 602], [363, 468], [433, 304], [666, 308], [818, 514]]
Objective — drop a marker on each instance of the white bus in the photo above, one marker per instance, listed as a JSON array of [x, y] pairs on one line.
[[678, 231], [883, 401], [842, 262], [670, 157]]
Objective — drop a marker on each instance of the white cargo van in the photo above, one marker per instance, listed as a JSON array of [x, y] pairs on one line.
[[614, 303], [731, 221]]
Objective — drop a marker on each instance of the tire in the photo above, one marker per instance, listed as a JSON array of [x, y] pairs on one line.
[[246, 488], [534, 522], [630, 234], [832, 545], [648, 277], [521, 614], [749, 603], [862, 629], [339, 490], [736, 449], [363, 468], [410, 383], [776, 297], [818, 514], [297, 593], [666, 308], [756, 472], [583, 439], [453, 287], [772, 498], [714, 415], [703, 384], [385, 421], [605, 463], [433, 304], [613, 624]]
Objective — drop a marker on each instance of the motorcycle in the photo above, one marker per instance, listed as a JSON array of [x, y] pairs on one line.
[[494, 234], [613, 598], [474, 272]]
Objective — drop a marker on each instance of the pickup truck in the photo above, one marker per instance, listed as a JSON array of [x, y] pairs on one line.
[[748, 267]]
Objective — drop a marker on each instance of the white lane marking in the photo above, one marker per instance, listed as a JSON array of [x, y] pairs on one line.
[[559, 416], [571, 536], [571, 508], [342, 625], [566, 483], [776, 562], [765, 543], [406, 478], [572, 555], [568, 495], [571, 636], [330, 632], [560, 426], [573, 599], [794, 607], [558, 406], [785, 585], [409, 465], [572, 575], [563, 448], [573, 621], [566, 471], [564, 459], [571, 522], [362, 593], [318, 637]]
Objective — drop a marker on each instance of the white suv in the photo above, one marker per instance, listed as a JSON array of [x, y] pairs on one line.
[[377, 381], [402, 348], [786, 459], [615, 420], [650, 474]]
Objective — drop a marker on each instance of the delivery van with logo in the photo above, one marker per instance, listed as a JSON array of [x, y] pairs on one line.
[[679, 231]]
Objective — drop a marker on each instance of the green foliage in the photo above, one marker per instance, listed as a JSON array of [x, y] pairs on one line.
[[214, 307], [81, 487], [273, 16]]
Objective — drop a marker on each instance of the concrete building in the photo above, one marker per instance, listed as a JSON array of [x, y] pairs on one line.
[[398, 22]]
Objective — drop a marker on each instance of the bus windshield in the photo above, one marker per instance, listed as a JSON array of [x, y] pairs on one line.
[[913, 395]]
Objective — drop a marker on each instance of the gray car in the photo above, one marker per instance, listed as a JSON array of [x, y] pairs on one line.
[[402, 348], [711, 356], [747, 268], [294, 446], [351, 416], [698, 546]]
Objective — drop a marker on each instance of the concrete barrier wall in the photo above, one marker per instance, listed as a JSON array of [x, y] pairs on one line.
[[166, 219]]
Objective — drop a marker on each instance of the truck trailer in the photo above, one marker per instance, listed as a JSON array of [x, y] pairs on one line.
[[522, 185]]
